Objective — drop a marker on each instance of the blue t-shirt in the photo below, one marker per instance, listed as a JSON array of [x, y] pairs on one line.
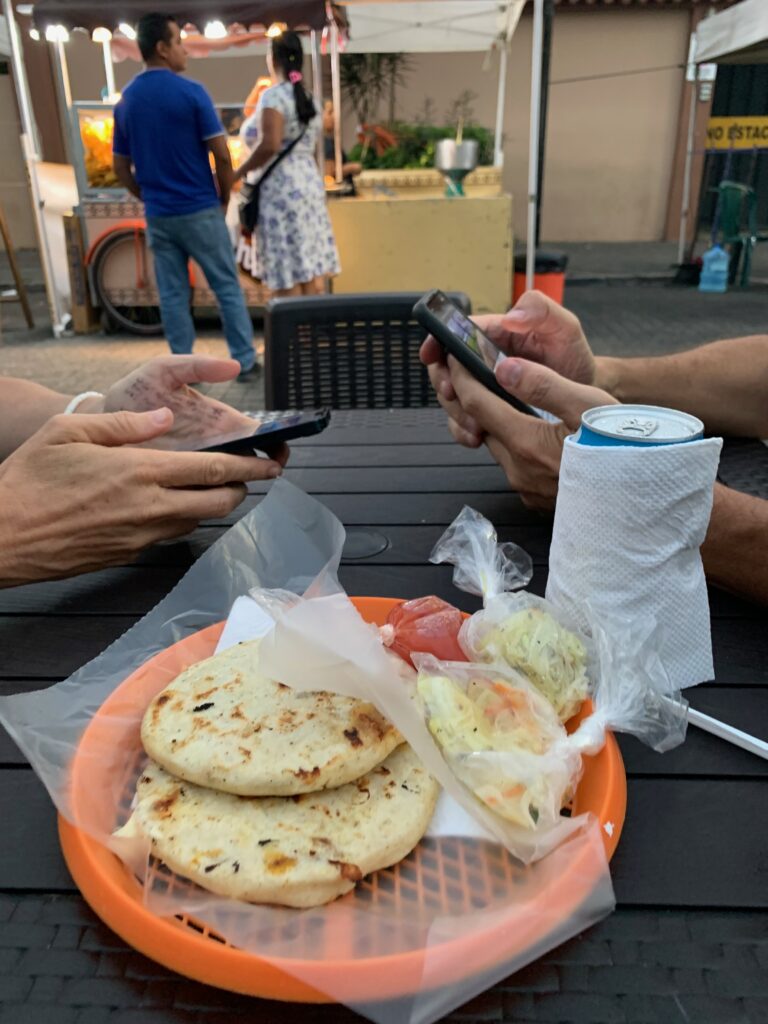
[[163, 123]]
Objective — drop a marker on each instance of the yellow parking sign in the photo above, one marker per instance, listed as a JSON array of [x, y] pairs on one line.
[[737, 133]]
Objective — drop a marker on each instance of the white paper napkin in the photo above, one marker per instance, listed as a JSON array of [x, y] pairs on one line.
[[248, 621], [628, 526]]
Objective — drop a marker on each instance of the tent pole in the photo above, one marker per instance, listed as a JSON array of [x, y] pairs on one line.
[[336, 92], [685, 200], [546, 53], [533, 140], [109, 69], [498, 145], [317, 92], [30, 142]]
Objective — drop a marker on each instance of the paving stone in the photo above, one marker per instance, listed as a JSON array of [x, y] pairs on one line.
[[101, 938], [26, 936], [737, 982], [728, 927], [32, 1013], [27, 910], [67, 910], [486, 1007], [536, 977], [581, 951], [578, 1006], [711, 1010], [9, 959], [67, 963], [681, 954], [14, 988], [101, 992], [67, 936], [46, 990]]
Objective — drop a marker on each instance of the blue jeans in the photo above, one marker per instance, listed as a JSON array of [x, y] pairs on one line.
[[204, 237]]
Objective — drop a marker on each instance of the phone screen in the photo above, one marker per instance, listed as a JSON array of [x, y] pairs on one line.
[[293, 422], [464, 329]]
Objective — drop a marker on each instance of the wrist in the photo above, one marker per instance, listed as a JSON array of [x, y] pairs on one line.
[[86, 401], [608, 376]]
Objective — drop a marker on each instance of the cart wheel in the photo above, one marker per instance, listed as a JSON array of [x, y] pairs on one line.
[[141, 320]]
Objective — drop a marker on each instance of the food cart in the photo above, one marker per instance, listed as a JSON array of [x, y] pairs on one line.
[[451, 235]]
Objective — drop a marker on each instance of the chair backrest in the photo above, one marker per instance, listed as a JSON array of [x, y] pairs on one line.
[[357, 351], [736, 210]]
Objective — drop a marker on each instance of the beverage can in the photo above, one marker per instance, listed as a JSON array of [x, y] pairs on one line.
[[637, 426]]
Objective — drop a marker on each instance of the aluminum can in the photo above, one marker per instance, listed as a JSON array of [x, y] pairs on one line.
[[637, 426]]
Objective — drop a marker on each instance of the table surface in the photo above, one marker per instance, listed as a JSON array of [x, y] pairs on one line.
[[689, 940]]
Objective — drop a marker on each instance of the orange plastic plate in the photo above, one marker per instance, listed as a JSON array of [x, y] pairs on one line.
[[445, 875]]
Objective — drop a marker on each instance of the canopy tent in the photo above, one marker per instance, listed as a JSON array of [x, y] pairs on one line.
[[447, 26], [738, 35]]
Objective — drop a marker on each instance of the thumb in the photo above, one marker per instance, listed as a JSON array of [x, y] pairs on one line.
[[530, 309], [111, 429], [202, 369], [545, 389]]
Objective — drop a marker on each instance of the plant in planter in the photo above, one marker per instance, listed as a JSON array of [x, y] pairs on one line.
[[415, 146]]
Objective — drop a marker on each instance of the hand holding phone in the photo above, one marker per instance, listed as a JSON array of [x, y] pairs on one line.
[[462, 338], [270, 430]]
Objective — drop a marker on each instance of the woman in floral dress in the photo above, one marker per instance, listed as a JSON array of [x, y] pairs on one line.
[[293, 250]]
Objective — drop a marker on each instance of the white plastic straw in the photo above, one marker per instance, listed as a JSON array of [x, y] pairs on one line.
[[728, 733]]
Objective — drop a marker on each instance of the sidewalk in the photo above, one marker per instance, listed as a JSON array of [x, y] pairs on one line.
[[633, 261]]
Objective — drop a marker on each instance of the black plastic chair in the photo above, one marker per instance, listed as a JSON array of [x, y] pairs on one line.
[[347, 352]]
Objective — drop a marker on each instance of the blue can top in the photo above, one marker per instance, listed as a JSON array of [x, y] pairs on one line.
[[638, 425]]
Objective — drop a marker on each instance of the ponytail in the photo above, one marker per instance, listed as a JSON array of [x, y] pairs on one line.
[[288, 57]]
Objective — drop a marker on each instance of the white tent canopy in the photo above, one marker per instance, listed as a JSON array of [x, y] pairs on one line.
[[431, 26], [736, 36]]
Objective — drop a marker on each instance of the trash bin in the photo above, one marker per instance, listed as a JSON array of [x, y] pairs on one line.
[[548, 275]]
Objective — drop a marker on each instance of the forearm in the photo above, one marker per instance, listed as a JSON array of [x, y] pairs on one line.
[[260, 156], [735, 551], [124, 174], [224, 179], [26, 406], [724, 383]]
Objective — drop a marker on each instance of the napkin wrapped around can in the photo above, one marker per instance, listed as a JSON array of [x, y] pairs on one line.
[[629, 523]]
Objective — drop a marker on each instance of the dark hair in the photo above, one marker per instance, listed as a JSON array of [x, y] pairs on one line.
[[288, 56], [151, 30]]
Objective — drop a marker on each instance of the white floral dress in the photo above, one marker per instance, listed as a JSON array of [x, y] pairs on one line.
[[293, 241]]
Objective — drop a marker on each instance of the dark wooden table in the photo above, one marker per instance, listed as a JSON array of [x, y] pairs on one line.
[[689, 940]]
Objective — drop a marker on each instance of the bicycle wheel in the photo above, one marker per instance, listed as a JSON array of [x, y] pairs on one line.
[[120, 247]]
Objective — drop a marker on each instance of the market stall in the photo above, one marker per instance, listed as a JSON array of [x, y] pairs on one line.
[[441, 225]]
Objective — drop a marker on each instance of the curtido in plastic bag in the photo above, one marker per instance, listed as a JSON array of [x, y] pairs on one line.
[[427, 625], [409, 944], [501, 738], [615, 664]]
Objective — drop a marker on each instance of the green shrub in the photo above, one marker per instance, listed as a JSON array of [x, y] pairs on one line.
[[416, 146]]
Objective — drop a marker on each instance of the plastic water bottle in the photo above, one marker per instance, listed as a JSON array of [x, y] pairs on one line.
[[714, 272]]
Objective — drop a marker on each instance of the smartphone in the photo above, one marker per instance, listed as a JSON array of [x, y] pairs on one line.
[[270, 430], [464, 340]]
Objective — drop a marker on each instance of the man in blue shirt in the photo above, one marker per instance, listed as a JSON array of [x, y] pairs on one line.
[[165, 128]]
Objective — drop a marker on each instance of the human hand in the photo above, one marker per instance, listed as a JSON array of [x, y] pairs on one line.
[[79, 495], [527, 448], [537, 329], [164, 382]]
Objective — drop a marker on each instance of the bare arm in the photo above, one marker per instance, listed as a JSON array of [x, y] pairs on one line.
[[724, 383], [25, 407], [272, 124], [735, 552], [124, 173], [222, 163]]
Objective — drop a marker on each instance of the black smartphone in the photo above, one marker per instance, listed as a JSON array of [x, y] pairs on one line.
[[270, 430], [464, 340]]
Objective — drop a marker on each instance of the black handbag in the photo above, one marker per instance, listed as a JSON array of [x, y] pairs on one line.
[[249, 194]]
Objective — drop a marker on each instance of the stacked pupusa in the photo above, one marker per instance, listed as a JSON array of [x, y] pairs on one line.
[[264, 793]]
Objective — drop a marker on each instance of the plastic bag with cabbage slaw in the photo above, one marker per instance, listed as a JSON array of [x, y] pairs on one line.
[[616, 665]]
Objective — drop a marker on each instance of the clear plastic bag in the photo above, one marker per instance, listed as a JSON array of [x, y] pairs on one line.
[[448, 940], [615, 662]]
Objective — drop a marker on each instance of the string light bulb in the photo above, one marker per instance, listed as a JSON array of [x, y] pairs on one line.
[[34, 34], [101, 35], [275, 29], [127, 30], [56, 34], [215, 30]]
